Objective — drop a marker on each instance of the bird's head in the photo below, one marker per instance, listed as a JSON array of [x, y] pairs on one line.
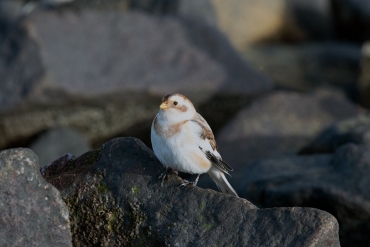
[[177, 107]]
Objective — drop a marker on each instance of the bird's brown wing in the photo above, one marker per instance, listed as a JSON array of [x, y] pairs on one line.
[[207, 133], [206, 130]]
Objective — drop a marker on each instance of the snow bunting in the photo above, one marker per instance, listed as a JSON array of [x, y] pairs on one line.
[[183, 141]]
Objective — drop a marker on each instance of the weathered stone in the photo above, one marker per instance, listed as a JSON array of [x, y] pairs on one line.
[[249, 22], [55, 142], [20, 63], [352, 19], [32, 212], [202, 10], [314, 18], [97, 118], [279, 124], [305, 67], [115, 198], [338, 184], [355, 130], [111, 52], [117, 85], [364, 80]]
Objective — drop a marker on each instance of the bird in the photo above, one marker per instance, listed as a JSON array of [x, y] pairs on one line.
[[183, 141]]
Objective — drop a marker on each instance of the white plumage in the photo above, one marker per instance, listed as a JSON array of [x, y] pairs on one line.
[[183, 141]]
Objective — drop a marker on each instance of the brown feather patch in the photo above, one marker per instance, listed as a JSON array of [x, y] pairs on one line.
[[204, 163], [206, 131], [167, 132]]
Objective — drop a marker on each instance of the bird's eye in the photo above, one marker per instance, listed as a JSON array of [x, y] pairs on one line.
[[175, 103]]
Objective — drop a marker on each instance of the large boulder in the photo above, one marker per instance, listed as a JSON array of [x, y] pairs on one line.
[[338, 184], [352, 19], [363, 84], [108, 51], [115, 67], [309, 65], [32, 212], [21, 67], [58, 141], [202, 10], [314, 18], [250, 22], [97, 119], [280, 124], [115, 198], [354, 130]]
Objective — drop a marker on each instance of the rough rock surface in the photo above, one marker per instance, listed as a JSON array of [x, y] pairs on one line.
[[111, 52], [55, 142], [249, 22], [314, 18], [355, 130], [310, 65], [20, 64], [202, 10], [338, 184], [32, 212], [98, 119], [363, 83], [114, 78], [280, 123], [114, 197], [352, 19]]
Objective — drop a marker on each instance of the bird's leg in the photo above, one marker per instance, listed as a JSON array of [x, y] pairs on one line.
[[196, 180], [165, 174], [186, 182]]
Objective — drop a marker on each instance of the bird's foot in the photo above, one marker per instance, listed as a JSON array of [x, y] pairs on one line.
[[164, 175], [186, 182]]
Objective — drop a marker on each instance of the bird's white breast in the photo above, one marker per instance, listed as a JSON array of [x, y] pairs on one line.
[[177, 146]]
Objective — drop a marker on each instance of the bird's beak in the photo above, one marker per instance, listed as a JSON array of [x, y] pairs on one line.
[[163, 106]]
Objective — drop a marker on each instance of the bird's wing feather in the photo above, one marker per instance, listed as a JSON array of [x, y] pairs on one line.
[[207, 135], [222, 165]]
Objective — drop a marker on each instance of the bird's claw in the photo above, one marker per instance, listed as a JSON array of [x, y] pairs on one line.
[[164, 175], [186, 182]]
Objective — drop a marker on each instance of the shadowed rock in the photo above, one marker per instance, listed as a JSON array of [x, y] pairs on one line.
[[279, 124], [32, 212], [134, 51], [102, 79], [355, 130], [56, 142], [310, 65], [338, 184], [115, 198]]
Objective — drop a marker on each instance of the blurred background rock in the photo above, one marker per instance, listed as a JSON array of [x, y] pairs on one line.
[[277, 80]]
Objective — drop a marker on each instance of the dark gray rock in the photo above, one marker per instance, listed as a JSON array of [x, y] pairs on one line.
[[352, 19], [108, 77], [314, 18], [161, 7], [113, 51], [97, 118], [363, 83], [32, 212], [355, 130], [279, 124], [308, 66], [20, 62], [338, 184], [202, 10], [55, 142], [115, 198]]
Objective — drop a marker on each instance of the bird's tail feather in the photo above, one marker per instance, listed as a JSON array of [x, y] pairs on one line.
[[219, 178]]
